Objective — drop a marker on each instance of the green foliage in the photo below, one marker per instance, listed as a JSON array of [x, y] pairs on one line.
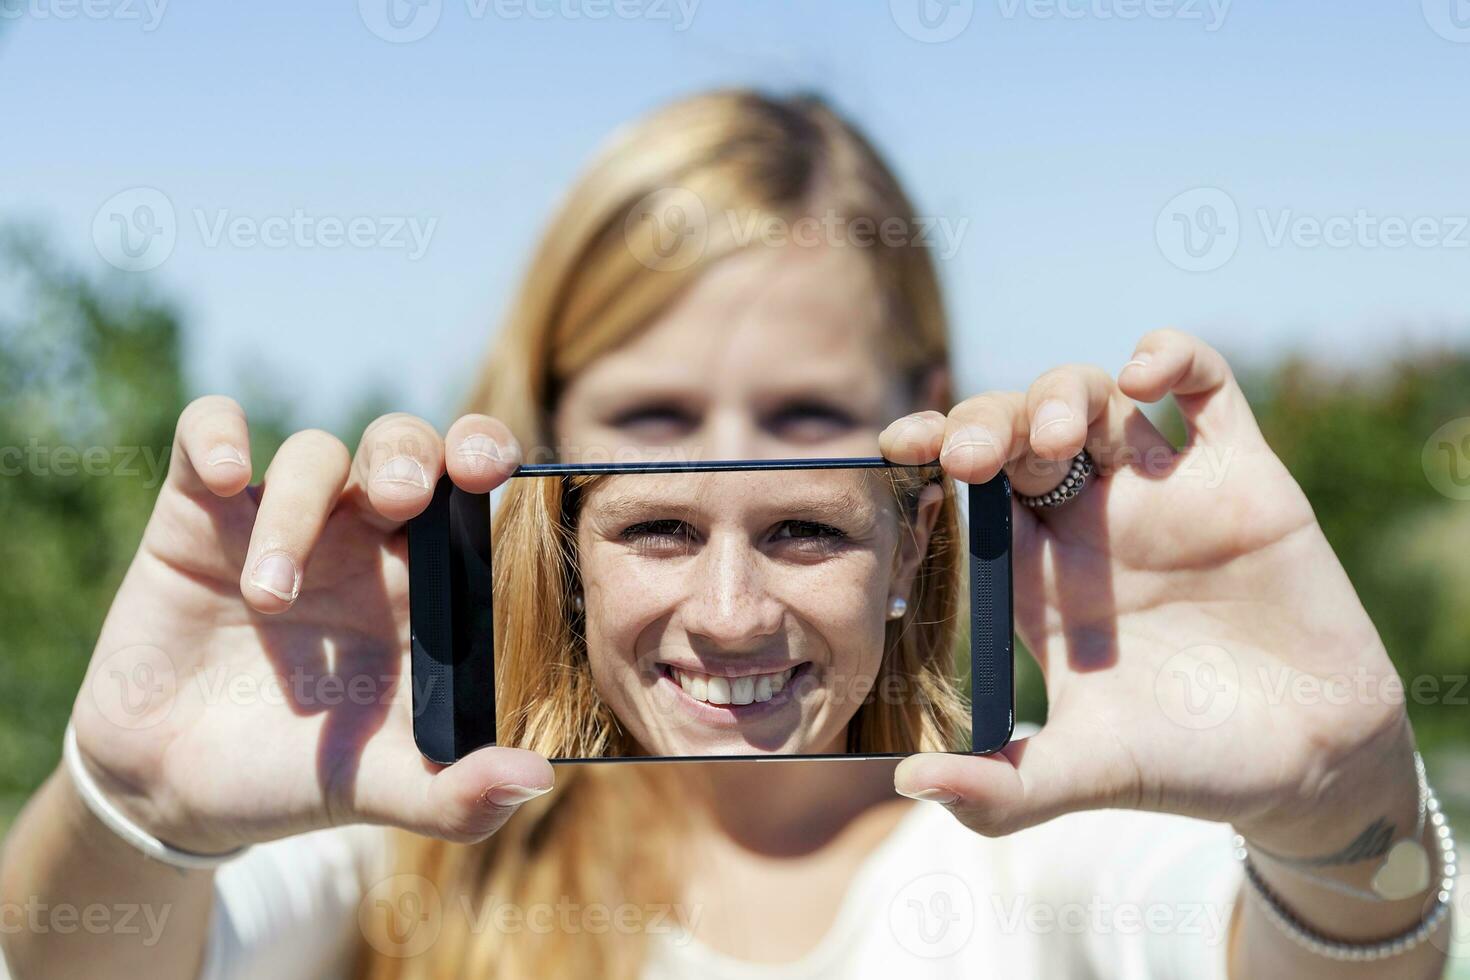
[[91, 384]]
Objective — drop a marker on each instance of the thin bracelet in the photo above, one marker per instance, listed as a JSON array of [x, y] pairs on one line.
[[1337, 949], [119, 823]]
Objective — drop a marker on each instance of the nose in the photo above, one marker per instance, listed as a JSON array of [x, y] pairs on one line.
[[729, 605]]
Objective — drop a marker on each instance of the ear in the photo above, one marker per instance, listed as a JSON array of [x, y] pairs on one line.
[[934, 391], [913, 543]]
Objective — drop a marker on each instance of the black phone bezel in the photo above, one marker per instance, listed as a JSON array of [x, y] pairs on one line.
[[451, 616]]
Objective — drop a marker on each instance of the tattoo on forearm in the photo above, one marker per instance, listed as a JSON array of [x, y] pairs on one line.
[[1373, 842]]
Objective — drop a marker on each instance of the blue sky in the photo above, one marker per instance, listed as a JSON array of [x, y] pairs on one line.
[[1061, 133]]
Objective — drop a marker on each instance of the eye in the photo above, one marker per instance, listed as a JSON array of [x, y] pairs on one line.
[[807, 419], [659, 537], [811, 535], [656, 420]]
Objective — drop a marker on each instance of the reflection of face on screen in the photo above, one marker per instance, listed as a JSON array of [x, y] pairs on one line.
[[743, 613]]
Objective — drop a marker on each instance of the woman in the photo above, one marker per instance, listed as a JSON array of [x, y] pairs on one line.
[[651, 325], [607, 587]]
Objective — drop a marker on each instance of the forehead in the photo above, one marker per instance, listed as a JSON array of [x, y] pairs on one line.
[[783, 318]]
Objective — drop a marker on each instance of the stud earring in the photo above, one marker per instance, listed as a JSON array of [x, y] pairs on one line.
[[897, 606], [578, 602]]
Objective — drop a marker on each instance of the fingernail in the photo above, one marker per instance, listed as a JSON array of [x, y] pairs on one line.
[[941, 796], [480, 451], [1050, 413], [225, 455], [1140, 359], [401, 476], [276, 574], [511, 794], [968, 444]]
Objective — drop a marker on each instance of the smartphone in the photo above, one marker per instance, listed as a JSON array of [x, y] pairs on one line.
[[767, 609]]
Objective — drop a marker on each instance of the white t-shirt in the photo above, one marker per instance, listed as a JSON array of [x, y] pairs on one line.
[[1107, 893]]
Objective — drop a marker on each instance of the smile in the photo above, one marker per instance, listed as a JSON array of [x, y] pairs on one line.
[[715, 689]]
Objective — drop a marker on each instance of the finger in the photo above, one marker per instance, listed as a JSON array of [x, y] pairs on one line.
[[395, 468], [914, 439], [301, 487], [1080, 406], [481, 452], [982, 435], [465, 802], [1028, 782], [211, 450], [1204, 387]]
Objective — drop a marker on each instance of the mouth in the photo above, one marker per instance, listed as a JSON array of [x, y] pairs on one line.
[[722, 700]]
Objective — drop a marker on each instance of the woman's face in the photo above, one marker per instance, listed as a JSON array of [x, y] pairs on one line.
[[773, 353], [740, 613]]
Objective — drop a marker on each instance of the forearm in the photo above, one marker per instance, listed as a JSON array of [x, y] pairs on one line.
[[77, 901]]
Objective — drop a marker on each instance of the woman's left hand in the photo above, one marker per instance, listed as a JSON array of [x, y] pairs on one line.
[[1203, 650]]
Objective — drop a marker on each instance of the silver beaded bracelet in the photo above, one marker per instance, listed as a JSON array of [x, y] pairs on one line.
[[1336, 949]]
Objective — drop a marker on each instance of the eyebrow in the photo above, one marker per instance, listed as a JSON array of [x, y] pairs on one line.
[[845, 504]]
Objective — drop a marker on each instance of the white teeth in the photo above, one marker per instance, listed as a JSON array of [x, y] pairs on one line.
[[732, 690]]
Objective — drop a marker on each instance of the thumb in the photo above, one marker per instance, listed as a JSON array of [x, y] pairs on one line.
[[1028, 782], [464, 802]]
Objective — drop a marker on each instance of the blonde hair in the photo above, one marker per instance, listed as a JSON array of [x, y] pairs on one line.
[[609, 834]]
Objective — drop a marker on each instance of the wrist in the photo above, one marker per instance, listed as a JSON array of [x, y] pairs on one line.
[[1341, 810], [104, 816]]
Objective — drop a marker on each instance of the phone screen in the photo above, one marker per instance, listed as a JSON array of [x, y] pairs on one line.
[[796, 610]]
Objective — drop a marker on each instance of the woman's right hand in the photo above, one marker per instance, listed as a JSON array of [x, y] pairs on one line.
[[252, 680]]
